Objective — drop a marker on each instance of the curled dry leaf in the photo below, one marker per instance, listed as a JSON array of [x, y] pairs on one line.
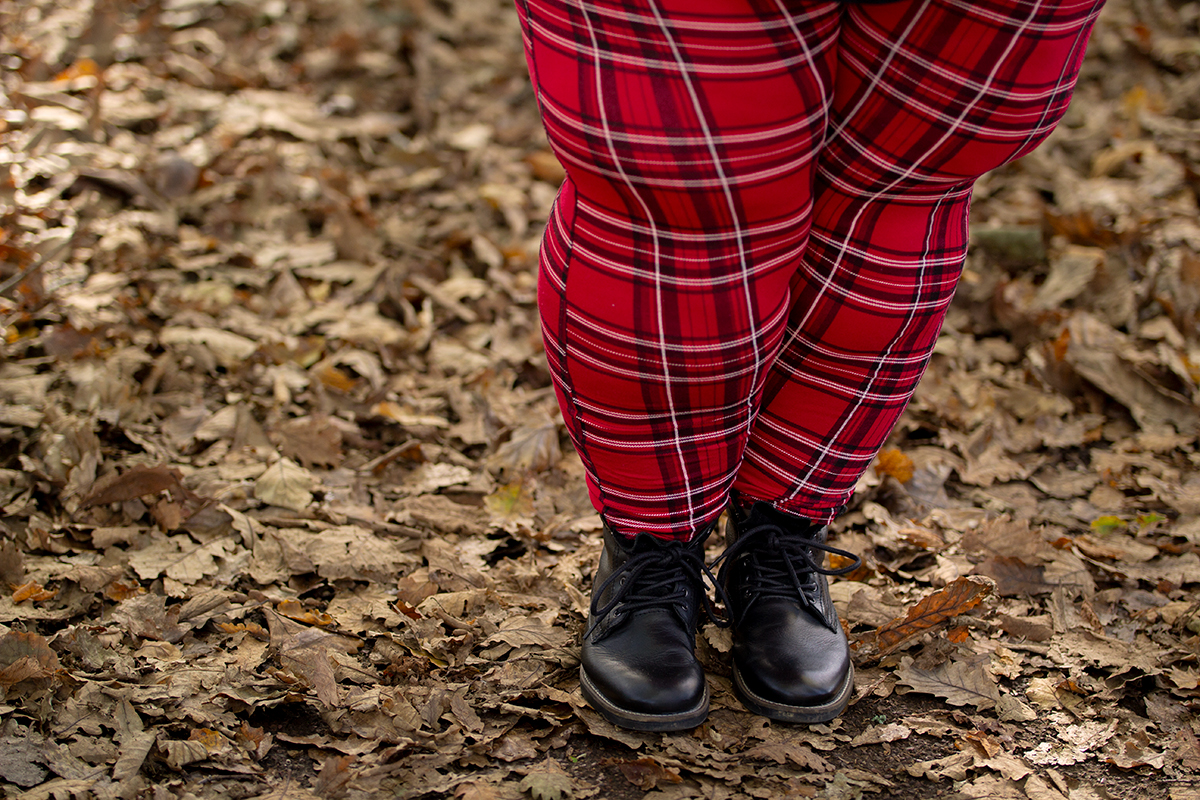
[[292, 609], [25, 657], [135, 482]]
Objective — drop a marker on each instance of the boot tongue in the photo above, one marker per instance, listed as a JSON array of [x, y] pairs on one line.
[[788, 524], [647, 542]]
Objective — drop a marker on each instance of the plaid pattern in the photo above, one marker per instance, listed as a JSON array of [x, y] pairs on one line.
[[763, 223]]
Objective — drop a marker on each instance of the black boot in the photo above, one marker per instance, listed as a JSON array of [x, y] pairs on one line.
[[639, 666], [791, 661]]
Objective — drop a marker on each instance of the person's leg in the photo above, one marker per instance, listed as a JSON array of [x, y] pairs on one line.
[[687, 129], [929, 95]]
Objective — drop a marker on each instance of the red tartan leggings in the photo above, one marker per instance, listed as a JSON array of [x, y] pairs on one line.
[[762, 225]]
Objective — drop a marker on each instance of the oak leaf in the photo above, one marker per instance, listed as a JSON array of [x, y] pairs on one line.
[[547, 781], [646, 773], [959, 683]]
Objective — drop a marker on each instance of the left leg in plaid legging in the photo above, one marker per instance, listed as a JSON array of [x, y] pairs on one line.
[[930, 94], [688, 130]]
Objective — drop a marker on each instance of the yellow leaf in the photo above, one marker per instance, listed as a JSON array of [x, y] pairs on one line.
[[893, 462], [1107, 524], [510, 501]]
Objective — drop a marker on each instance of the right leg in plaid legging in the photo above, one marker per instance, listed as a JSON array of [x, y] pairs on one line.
[[929, 95]]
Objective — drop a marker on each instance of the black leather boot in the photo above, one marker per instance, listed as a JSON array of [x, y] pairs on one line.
[[791, 661], [639, 666]]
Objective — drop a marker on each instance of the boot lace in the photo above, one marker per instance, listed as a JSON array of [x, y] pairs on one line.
[[781, 564], [660, 576]]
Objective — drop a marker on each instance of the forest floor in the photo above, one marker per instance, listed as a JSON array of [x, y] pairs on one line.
[[288, 511]]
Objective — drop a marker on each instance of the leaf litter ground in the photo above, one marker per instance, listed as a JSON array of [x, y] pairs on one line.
[[288, 511]]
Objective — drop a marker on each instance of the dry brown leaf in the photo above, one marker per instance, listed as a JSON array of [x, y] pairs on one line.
[[135, 482], [1006, 538], [646, 773], [33, 592], [532, 448], [286, 484], [313, 441], [334, 775], [932, 612], [1025, 628], [547, 781], [12, 564], [21, 757], [146, 616], [25, 657], [309, 653], [877, 734], [959, 683], [292, 609], [1013, 577]]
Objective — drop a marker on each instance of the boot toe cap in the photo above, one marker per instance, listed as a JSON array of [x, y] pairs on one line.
[[789, 660], [646, 685]]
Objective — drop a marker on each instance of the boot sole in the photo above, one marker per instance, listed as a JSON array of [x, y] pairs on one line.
[[785, 712], [641, 721]]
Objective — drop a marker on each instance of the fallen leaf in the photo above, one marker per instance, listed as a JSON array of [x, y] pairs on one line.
[[892, 462], [334, 776], [933, 611], [1013, 577], [312, 441], [646, 773], [959, 683], [530, 449], [513, 501], [180, 753], [309, 652], [25, 657], [877, 734], [135, 482], [33, 592], [547, 781], [292, 609], [21, 757], [286, 484]]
